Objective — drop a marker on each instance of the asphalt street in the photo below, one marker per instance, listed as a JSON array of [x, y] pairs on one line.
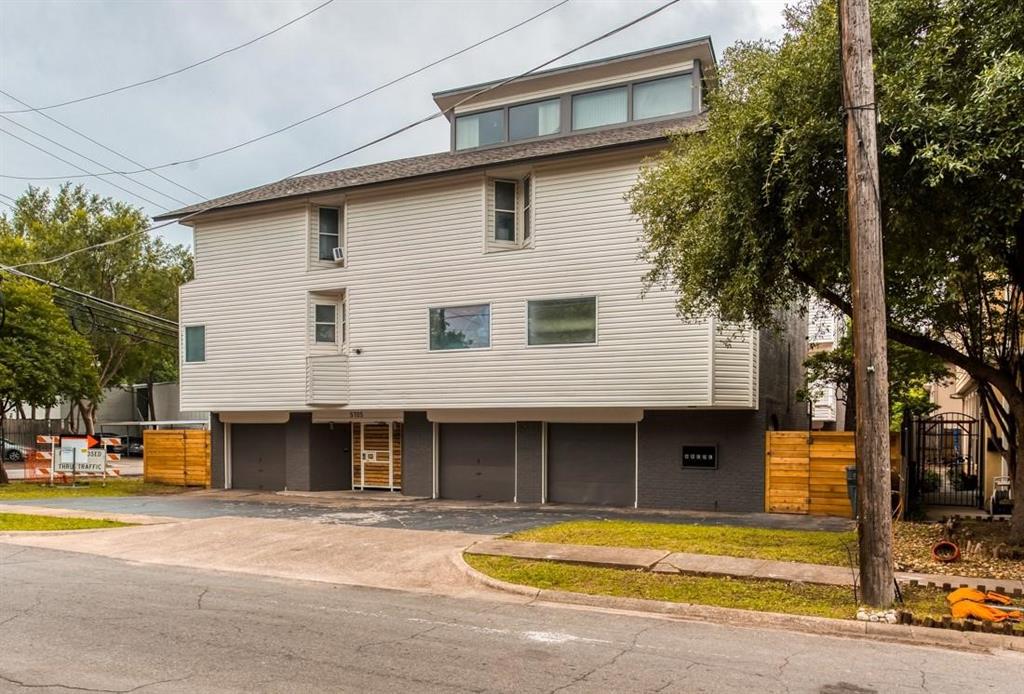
[[76, 622]]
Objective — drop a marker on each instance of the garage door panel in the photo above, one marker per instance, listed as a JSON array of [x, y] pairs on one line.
[[477, 461], [258, 456], [592, 464]]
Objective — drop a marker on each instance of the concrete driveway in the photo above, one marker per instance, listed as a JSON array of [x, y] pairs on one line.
[[409, 560]]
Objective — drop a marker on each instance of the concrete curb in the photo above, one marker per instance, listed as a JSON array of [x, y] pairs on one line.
[[750, 619]]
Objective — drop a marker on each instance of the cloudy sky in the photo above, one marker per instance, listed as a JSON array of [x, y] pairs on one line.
[[52, 52]]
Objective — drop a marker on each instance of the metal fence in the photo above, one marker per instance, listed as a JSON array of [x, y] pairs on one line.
[[18, 442]]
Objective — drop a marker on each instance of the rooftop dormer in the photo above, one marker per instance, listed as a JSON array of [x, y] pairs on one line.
[[649, 85]]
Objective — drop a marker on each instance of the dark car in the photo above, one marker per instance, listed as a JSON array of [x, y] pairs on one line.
[[134, 447], [120, 449]]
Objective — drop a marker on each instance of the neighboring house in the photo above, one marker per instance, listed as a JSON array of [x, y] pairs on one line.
[[132, 404], [472, 325], [825, 327]]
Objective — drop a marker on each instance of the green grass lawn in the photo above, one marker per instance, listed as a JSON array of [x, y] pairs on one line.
[[113, 487], [810, 546], [748, 594], [24, 521]]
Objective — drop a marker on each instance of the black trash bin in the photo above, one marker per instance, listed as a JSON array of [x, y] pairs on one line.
[[851, 487]]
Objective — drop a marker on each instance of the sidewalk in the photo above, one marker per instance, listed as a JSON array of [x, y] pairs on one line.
[[664, 562]]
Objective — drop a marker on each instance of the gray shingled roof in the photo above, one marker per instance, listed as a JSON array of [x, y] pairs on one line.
[[447, 162]]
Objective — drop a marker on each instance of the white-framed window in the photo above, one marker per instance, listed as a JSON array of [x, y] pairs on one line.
[[506, 196], [329, 224], [460, 327], [567, 321], [509, 213], [195, 344], [325, 323]]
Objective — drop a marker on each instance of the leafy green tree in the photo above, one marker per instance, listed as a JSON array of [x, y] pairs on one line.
[[136, 269], [42, 359], [910, 372], [750, 216]]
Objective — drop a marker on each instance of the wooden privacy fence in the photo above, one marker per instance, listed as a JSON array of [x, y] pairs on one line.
[[177, 456], [805, 472]]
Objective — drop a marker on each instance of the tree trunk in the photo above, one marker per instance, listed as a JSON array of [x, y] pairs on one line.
[[3, 435], [850, 415], [88, 412], [1017, 470]]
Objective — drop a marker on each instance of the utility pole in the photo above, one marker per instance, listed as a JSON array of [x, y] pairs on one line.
[[870, 363]]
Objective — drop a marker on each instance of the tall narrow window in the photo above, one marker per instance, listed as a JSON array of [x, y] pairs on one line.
[[505, 211], [195, 343], [460, 327], [329, 221], [527, 208], [480, 129], [325, 326]]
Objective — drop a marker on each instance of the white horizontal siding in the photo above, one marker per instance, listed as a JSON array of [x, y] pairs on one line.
[[734, 362], [422, 246]]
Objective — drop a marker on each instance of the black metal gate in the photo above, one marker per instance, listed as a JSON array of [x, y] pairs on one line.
[[945, 460]]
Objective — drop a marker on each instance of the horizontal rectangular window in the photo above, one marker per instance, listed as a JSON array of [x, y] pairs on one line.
[[562, 321], [663, 97], [325, 326], [605, 107], [329, 220], [480, 129], [534, 120], [195, 343], [460, 327]]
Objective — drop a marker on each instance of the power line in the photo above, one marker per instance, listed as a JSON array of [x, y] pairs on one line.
[[100, 144], [60, 158], [90, 159], [318, 114], [173, 72], [204, 207], [112, 304]]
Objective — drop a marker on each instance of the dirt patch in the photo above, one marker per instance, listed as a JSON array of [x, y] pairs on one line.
[[979, 542]]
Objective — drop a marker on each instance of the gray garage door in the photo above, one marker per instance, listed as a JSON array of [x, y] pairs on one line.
[[257, 456], [477, 461], [592, 464]]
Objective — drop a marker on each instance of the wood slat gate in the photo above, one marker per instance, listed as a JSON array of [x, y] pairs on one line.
[[177, 456], [805, 472]]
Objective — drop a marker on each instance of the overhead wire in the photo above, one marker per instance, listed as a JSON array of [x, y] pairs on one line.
[[318, 114], [100, 144], [110, 171], [204, 206], [173, 72], [70, 163]]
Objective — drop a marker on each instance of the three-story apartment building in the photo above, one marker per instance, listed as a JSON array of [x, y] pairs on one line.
[[472, 324]]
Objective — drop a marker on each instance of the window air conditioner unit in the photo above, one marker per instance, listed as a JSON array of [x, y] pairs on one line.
[[339, 255]]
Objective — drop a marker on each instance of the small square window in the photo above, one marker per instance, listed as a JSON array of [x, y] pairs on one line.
[[195, 343]]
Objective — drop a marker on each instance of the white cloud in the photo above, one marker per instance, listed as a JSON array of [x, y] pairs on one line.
[[53, 51]]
